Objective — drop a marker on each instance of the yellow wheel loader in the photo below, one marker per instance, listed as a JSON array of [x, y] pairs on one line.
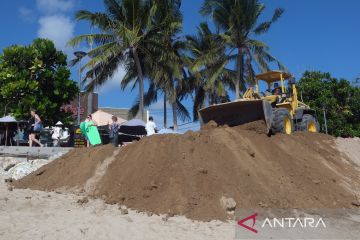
[[278, 106]]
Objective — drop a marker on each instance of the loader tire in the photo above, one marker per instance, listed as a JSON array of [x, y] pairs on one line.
[[282, 122], [309, 124]]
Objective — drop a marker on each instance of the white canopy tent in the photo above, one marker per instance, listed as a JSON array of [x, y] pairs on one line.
[[8, 119]]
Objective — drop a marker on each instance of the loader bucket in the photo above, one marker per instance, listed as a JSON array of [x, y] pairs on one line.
[[237, 113]]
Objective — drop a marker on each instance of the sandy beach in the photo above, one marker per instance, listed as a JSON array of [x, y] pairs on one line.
[[27, 214], [70, 213]]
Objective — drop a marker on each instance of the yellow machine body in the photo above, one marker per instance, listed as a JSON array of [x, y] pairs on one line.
[[256, 105]]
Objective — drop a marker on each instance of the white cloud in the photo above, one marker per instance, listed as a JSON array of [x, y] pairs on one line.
[[54, 6], [58, 28], [55, 24]]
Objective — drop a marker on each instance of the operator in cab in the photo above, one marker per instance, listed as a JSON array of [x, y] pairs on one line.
[[276, 90]]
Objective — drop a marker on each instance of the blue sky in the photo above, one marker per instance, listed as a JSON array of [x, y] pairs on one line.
[[311, 35]]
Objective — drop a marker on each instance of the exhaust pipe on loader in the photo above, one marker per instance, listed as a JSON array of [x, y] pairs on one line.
[[238, 113]]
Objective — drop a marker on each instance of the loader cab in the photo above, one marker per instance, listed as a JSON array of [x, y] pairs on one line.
[[280, 89], [275, 82], [274, 85]]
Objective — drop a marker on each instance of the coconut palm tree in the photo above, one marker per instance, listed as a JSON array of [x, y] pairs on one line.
[[238, 20], [126, 34], [164, 66], [167, 77], [170, 76], [210, 78]]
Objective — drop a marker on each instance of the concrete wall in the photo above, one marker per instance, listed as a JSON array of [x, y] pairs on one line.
[[43, 152]]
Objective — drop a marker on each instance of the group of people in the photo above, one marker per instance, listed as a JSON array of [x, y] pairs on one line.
[[36, 126], [114, 127], [88, 128], [92, 135]]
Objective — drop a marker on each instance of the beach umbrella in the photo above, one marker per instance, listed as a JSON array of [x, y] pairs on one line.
[[7, 120], [103, 118]]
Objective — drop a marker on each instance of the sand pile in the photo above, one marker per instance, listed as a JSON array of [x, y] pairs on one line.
[[71, 171], [189, 174]]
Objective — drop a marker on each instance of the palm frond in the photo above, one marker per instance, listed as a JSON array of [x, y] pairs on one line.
[[73, 62], [98, 39], [150, 97], [181, 110], [97, 19], [265, 26]]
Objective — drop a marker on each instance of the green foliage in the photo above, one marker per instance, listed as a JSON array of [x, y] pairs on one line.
[[35, 76], [210, 79], [128, 31], [164, 64], [239, 24], [139, 35], [340, 100]]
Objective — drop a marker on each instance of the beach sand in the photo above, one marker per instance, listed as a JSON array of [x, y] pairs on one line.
[[29, 214]]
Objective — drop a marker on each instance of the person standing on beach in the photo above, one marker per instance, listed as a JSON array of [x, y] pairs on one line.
[[114, 131], [151, 127], [91, 123], [91, 132], [57, 133], [35, 128]]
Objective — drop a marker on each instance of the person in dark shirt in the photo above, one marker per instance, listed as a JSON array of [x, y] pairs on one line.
[[114, 131], [276, 90], [35, 128]]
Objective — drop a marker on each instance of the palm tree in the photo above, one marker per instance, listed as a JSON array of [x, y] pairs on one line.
[[126, 32], [210, 78], [238, 19], [170, 76], [167, 75], [164, 66]]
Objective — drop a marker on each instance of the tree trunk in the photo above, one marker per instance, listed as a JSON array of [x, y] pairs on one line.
[[174, 106], [239, 74], [6, 105], [141, 82], [5, 110], [165, 111]]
